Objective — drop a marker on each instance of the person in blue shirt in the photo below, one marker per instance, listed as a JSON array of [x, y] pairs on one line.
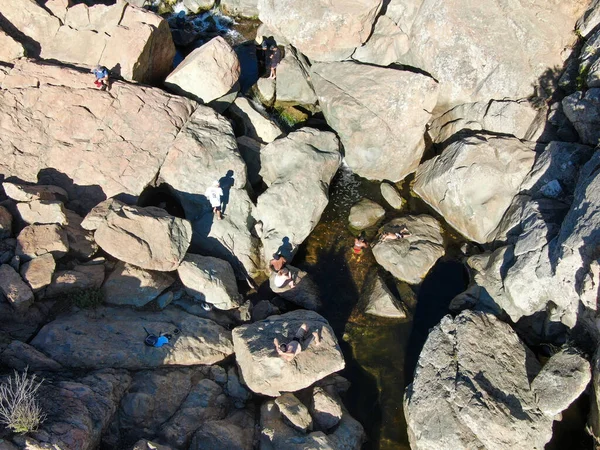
[[102, 80]]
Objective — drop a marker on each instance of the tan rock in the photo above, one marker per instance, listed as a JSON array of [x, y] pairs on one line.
[[27, 193], [30, 19], [5, 223], [38, 272], [81, 242], [15, 290], [35, 240], [9, 48], [130, 285], [100, 212], [256, 125], [43, 212], [294, 411], [20, 356], [80, 278]]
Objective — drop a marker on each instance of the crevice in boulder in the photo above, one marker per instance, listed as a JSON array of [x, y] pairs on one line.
[[162, 196]]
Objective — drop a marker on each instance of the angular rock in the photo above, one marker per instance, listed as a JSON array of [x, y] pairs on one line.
[[265, 372], [250, 151], [235, 432], [80, 278], [322, 30], [206, 74], [198, 5], [392, 196], [36, 240], [305, 292], [81, 242], [42, 212], [144, 444], [20, 356], [380, 301], [475, 370], [583, 110], [10, 49], [386, 44], [115, 338], [325, 408], [292, 79], [364, 214], [380, 115], [561, 381], [211, 280], [148, 237], [15, 290], [39, 271], [254, 124], [244, 8], [130, 285], [410, 258], [265, 89], [97, 216], [472, 183], [29, 193], [235, 390], [294, 412], [298, 170], [5, 223]]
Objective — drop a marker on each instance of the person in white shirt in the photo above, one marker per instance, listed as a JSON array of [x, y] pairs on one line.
[[214, 194]]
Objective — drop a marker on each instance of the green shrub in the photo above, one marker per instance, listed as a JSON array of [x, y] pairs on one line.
[[88, 298], [19, 407]]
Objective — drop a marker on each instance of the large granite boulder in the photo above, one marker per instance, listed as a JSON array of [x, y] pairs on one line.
[[410, 258], [364, 214], [298, 170], [210, 280], [322, 30], [379, 300], [206, 74], [473, 182], [252, 123], [386, 44], [471, 389], [265, 372], [135, 43], [148, 237], [244, 8], [470, 47], [115, 338], [10, 49], [14, 289], [380, 115], [292, 79], [91, 143]]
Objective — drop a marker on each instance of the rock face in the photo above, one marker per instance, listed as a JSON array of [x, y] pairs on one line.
[[582, 110], [385, 46], [298, 170], [562, 380], [84, 126], [265, 372], [254, 124], [38, 272], [475, 370], [21, 356], [244, 8], [473, 182], [80, 278], [379, 300], [484, 65], [292, 83], [294, 412], [323, 31], [206, 74], [392, 196], [305, 292], [410, 258], [36, 240], [211, 280], [14, 289], [43, 212], [134, 43], [11, 49], [365, 214], [379, 114], [148, 237], [5, 223], [115, 338]]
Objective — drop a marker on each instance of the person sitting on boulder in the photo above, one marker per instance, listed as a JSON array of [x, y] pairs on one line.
[[392, 235], [102, 81], [360, 243], [290, 350], [274, 60], [214, 194], [284, 277], [277, 263]]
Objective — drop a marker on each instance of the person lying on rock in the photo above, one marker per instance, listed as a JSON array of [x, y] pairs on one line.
[[284, 277], [392, 235], [290, 350], [214, 194], [274, 60], [102, 80]]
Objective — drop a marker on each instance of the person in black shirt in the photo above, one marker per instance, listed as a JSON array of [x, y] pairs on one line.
[[274, 60]]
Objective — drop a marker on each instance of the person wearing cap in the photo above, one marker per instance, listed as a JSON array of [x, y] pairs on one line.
[[101, 74], [214, 194], [274, 60]]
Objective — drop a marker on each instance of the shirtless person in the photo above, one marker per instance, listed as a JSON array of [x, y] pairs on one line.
[[392, 235], [290, 350]]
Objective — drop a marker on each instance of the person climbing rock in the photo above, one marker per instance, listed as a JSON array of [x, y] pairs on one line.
[[284, 277], [301, 339], [214, 194], [102, 77], [274, 60], [360, 243], [392, 235]]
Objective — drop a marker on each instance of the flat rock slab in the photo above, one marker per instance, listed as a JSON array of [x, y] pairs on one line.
[[109, 337], [29, 193], [265, 372], [410, 258], [42, 211], [35, 240], [130, 285]]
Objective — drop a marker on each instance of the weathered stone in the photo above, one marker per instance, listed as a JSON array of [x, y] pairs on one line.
[[235, 389], [10, 49], [198, 5], [130, 285], [254, 124], [325, 408], [265, 89], [235, 432], [472, 183], [209, 72], [144, 444], [148, 237], [392, 196], [380, 115], [81, 242], [305, 292], [43, 212], [294, 412], [16, 291], [379, 300], [80, 278], [244, 8], [38, 272], [410, 258], [265, 372], [35, 240], [471, 389], [5, 223], [386, 44], [583, 110], [93, 342], [250, 151], [21, 356], [210, 280], [27, 193], [364, 214], [323, 31], [97, 216], [561, 381], [292, 79]]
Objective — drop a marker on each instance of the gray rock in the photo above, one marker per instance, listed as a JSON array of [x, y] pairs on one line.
[[211, 280], [20, 356], [5, 223], [294, 412], [148, 237], [594, 417], [115, 338], [15, 290], [29, 193], [235, 390], [235, 432], [364, 214], [410, 258], [305, 292], [472, 183], [36, 240], [80, 278], [144, 444], [43, 212], [255, 124], [196, 6], [392, 196], [325, 408], [164, 300], [379, 301], [293, 75], [475, 370], [380, 115], [561, 381], [386, 44], [265, 372], [130, 285], [264, 309], [39, 271], [265, 88], [588, 21], [583, 110]]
